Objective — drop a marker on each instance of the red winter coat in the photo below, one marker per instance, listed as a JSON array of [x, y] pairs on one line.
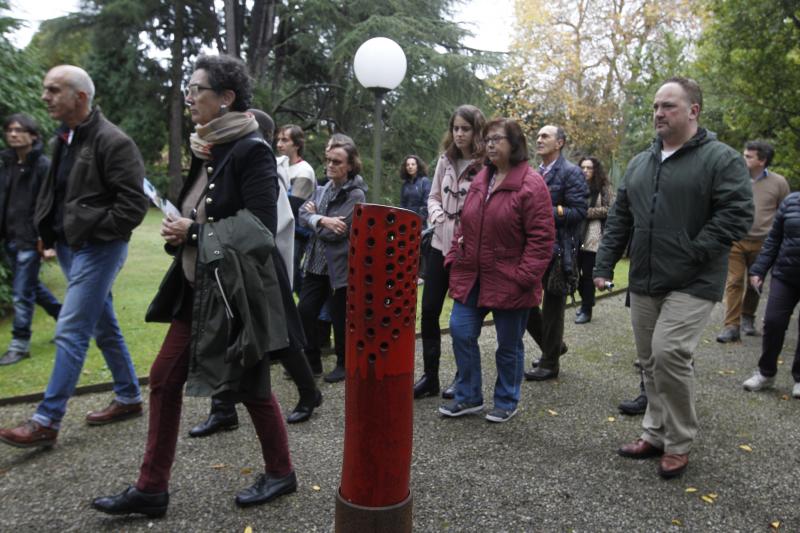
[[508, 240]]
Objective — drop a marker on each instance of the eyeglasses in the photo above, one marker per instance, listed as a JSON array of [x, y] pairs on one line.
[[333, 162], [494, 139], [193, 90], [16, 130]]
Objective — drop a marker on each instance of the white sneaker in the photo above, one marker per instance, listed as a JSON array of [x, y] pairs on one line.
[[758, 381], [796, 390]]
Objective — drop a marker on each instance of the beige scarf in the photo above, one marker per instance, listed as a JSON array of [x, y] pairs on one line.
[[221, 130]]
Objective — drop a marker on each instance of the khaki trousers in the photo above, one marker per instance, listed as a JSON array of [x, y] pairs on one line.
[[667, 329], [740, 297]]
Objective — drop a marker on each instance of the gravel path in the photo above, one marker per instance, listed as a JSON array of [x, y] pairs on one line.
[[552, 468]]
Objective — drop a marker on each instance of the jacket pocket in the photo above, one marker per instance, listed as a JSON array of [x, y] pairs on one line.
[[672, 260]]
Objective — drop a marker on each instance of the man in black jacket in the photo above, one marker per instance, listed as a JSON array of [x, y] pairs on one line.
[[87, 207], [569, 194], [688, 197], [22, 169]]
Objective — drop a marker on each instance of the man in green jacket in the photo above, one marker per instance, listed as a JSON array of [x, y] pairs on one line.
[[681, 203]]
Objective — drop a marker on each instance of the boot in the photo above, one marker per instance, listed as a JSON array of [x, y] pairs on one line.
[[638, 405], [749, 326], [729, 334], [428, 384], [222, 417]]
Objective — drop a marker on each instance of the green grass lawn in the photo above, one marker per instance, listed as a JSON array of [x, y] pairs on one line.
[[133, 290]]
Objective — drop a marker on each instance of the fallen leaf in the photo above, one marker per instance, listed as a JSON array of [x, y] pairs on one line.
[[676, 522], [611, 419], [780, 361], [707, 499], [775, 525], [552, 413], [785, 397], [218, 466], [609, 354], [713, 495], [691, 490], [248, 529], [246, 470], [316, 487], [746, 448]]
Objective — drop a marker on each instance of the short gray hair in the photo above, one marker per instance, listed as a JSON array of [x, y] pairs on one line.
[[78, 79]]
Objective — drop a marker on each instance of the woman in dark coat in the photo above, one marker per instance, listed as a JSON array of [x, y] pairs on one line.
[[497, 259], [416, 187], [232, 169], [781, 254]]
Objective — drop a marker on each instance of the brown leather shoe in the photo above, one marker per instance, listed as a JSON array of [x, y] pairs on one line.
[[673, 465], [641, 449], [29, 435], [114, 413]]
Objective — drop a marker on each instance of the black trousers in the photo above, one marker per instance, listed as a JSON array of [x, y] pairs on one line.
[[783, 298], [434, 292], [316, 290], [546, 326], [585, 282]]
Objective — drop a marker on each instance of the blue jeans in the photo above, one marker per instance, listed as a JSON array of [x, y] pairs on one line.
[[88, 312], [465, 328], [27, 291]]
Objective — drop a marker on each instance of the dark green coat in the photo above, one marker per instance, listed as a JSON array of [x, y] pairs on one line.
[[237, 310], [682, 215]]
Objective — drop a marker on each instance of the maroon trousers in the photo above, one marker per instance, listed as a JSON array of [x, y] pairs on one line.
[[167, 377]]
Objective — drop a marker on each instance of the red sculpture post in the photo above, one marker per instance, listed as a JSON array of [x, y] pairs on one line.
[[381, 316]]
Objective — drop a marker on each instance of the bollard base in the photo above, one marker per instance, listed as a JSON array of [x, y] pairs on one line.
[[352, 518]]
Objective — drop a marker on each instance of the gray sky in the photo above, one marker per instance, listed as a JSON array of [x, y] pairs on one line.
[[490, 20]]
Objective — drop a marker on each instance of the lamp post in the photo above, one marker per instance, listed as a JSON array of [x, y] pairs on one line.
[[380, 66]]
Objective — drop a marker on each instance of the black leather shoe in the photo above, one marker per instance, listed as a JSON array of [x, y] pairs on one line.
[[214, 423], [304, 410], [133, 501], [450, 392], [583, 318], [13, 356], [427, 385], [336, 375], [729, 334], [266, 489], [541, 374], [637, 406], [536, 362]]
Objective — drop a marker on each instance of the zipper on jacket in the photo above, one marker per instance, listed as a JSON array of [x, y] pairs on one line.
[[650, 236], [228, 310]]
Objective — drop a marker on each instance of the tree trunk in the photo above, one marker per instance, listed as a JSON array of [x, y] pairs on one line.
[[176, 103], [231, 35]]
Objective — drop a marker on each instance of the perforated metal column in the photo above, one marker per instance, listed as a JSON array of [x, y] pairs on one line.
[[381, 317]]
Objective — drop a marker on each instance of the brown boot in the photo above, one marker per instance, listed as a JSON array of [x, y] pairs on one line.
[[29, 435]]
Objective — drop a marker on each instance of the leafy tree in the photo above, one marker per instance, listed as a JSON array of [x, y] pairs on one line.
[[749, 63]]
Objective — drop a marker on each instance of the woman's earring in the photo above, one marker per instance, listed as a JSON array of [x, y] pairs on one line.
[[223, 109]]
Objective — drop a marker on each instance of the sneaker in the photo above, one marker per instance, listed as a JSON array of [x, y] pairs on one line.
[[500, 415], [796, 390], [455, 408], [758, 381]]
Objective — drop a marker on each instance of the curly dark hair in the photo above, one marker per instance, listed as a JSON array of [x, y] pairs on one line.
[[599, 177], [422, 168], [228, 73]]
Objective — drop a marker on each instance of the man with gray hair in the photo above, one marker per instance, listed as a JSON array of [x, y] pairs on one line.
[[88, 205]]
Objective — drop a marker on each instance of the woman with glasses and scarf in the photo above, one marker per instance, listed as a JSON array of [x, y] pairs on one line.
[[228, 209], [461, 160]]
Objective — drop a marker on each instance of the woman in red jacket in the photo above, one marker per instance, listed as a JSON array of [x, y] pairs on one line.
[[496, 261]]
